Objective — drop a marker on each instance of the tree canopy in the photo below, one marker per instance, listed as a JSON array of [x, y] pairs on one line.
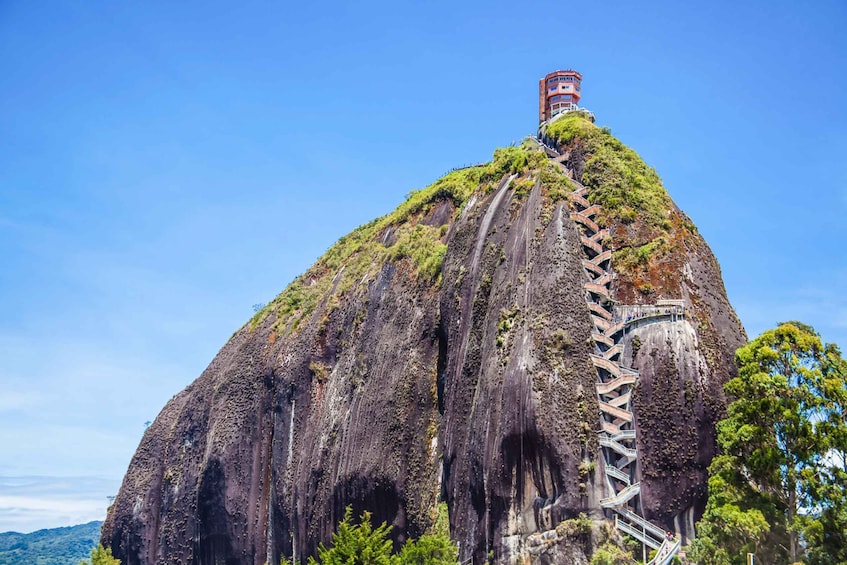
[[101, 556], [362, 544], [777, 488]]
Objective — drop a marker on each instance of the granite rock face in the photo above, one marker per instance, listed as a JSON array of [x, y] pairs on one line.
[[389, 391]]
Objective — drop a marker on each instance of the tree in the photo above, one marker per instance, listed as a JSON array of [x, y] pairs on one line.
[[101, 556], [357, 544], [779, 478], [429, 549], [826, 529], [434, 547], [361, 544]]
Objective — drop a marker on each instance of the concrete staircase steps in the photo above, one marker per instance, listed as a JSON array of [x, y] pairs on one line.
[[600, 323], [641, 523], [622, 435], [617, 474], [613, 368], [619, 448], [579, 200], [612, 352], [604, 339], [610, 428], [599, 290], [615, 412], [600, 311], [617, 437], [620, 401], [580, 189], [606, 255], [621, 497], [585, 221], [604, 279], [592, 210], [637, 534], [592, 245], [592, 267], [614, 384], [600, 235]]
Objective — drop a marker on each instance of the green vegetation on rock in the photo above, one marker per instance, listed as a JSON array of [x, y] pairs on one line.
[[101, 556], [400, 235], [362, 544], [360, 254], [646, 224], [778, 489], [575, 527], [628, 258], [610, 554], [614, 174], [55, 546]]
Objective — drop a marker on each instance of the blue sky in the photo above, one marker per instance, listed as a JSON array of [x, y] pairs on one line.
[[164, 166]]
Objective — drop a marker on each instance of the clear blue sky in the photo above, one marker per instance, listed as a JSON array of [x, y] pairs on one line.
[[166, 165]]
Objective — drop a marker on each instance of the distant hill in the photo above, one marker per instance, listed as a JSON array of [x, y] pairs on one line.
[[56, 546]]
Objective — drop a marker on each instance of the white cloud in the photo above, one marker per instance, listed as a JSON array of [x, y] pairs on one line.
[[29, 503], [73, 407]]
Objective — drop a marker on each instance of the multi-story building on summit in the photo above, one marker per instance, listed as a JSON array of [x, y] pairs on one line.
[[558, 92]]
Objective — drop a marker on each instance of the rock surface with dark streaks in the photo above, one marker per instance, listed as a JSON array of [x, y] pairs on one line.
[[438, 353]]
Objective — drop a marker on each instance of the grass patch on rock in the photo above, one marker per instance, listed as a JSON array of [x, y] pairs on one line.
[[616, 177], [357, 258]]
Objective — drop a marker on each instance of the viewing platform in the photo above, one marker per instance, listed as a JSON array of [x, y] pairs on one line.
[[630, 314]]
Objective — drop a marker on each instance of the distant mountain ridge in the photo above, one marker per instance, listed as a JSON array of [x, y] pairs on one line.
[[55, 546]]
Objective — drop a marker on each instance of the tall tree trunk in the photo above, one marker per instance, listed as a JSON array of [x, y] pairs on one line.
[[792, 533]]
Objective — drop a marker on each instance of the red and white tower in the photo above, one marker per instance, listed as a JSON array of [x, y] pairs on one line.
[[558, 92]]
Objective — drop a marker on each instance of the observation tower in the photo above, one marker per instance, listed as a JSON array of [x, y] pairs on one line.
[[558, 92]]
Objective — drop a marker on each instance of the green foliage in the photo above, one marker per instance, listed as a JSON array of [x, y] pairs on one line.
[[434, 547], [356, 544], [512, 160], [628, 258], [575, 527], [319, 370], [359, 256], [522, 188], [572, 127], [423, 245], [585, 469], [560, 341], [504, 326], [826, 534], [615, 175], [101, 556], [429, 549], [361, 544], [780, 477], [441, 522], [556, 182], [55, 546], [610, 554]]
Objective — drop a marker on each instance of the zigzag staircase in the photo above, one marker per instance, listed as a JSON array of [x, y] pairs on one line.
[[615, 383]]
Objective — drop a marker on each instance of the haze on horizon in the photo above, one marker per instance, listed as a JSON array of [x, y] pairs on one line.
[[165, 167]]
